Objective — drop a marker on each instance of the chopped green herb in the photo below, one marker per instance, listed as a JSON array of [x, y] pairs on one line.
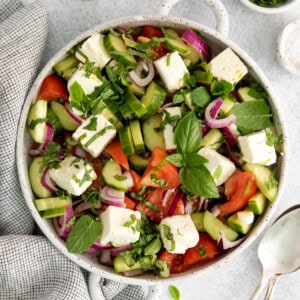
[[200, 96], [174, 292], [51, 157], [272, 182], [169, 235], [221, 88], [35, 122], [98, 134], [160, 182], [189, 80], [178, 98], [92, 126], [162, 268], [202, 251], [218, 172]]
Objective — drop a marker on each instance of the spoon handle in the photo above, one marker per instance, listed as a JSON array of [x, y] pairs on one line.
[[272, 283], [262, 283]]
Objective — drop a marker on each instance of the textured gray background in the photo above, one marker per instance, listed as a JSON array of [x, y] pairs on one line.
[[257, 35]]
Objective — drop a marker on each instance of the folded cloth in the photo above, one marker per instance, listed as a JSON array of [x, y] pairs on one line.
[[30, 267]]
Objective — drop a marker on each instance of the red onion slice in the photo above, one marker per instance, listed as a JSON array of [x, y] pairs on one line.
[[224, 244], [39, 151], [211, 112], [47, 183], [118, 250], [60, 223], [215, 210], [129, 180], [97, 245], [72, 114], [204, 129], [230, 138], [166, 197], [49, 133], [193, 39], [82, 207], [80, 152], [112, 196], [173, 206], [105, 258], [136, 76]]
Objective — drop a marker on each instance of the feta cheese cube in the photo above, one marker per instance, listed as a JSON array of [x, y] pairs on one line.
[[119, 226], [93, 48], [255, 150], [228, 66], [74, 175], [94, 134], [219, 166], [169, 129], [171, 69], [178, 233]]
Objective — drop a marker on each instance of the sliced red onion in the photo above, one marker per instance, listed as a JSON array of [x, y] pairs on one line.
[[60, 223], [97, 245], [72, 114], [215, 210], [188, 207], [224, 244], [80, 152], [167, 196], [197, 43], [204, 129], [169, 104], [112, 196], [47, 183], [39, 151], [205, 203], [129, 180], [173, 206], [230, 138], [49, 133], [136, 74], [82, 207], [211, 112], [118, 250], [90, 250], [105, 258]]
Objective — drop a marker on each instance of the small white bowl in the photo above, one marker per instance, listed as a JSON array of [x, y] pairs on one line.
[[288, 48], [270, 10]]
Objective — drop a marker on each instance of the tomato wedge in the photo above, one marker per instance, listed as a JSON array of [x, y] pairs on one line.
[[239, 188], [174, 261], [129, 203], [114, 149], [164, 176], [53, 87], [205, 250]]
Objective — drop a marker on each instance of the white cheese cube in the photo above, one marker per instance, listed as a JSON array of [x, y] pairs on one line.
[[74, 175], [93, 49], [178, 233], [119, 226], [255, 150], [169, 129], [219, 166], [228, 66], [171, 69], [94, 134]]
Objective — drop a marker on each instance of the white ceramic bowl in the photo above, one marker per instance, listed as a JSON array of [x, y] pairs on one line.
[[218, 42], [271, 10]]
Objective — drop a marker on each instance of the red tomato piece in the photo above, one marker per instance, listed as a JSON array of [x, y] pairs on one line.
[[136, 181], [205, 250], [129, 203], [53, 87], [98, 170], [166, 173], [174, 261], [239, 188], [114, 149]]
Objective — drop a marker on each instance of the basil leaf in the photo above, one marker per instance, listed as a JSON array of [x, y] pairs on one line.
[[188, 134], [195, 160], [252, 116], [174, 292], [198, 181], [84, 233], [176, 159]]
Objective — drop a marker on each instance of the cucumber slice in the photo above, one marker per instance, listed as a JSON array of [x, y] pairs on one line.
[[66, 67], [52, 203], [137, 137], [238, 225], [228, 103], [137, 162], [126, 140], [116, 47], [126, 111], [213, 226], [257, 203], [197, 218], [64, 118], [152, 135], [112, 175], [243, 93], [174, 42], [203, 77], [120, 264], [265, 180], [137, 90], [54, 121], [35, 177], [108, 114], [137, 107], [188, 100], [52, 213], [153, 99], [213, 139], [36, 121]]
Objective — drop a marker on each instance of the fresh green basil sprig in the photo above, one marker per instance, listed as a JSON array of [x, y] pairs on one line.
[[194, 176]]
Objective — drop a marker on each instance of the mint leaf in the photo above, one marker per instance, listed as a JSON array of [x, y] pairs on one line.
[[84, 233], [92, 126], [174, 292], [178, 97], [188, 134], [220, 88], [195, 160], [176, 159], [198, 181], [200, 96], [252, 116]]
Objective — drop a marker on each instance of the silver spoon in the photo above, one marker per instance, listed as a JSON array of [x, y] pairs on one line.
[[279, 251]]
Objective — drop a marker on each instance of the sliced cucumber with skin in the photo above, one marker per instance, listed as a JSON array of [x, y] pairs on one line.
[[175, 43], [126, 140], [52, 203], [120, 264], [213, 226], [203, 77], [228, 103], [137, 107], [112, 175], [257, 203], [66, 67], [213, 139], [64, 118], [153, 99], [53, 120], [137, 90], [137, 136], [116, 47], [243, 93], [35, 177], [238, 225], [36, 121], [153, 137], [108, 114], [137, 162], [52, 213], [197, 218], [264, 179]]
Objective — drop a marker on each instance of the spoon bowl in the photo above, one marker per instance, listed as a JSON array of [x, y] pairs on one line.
[[279, 250]]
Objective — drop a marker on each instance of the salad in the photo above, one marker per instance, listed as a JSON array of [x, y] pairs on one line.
[[151, 152]]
